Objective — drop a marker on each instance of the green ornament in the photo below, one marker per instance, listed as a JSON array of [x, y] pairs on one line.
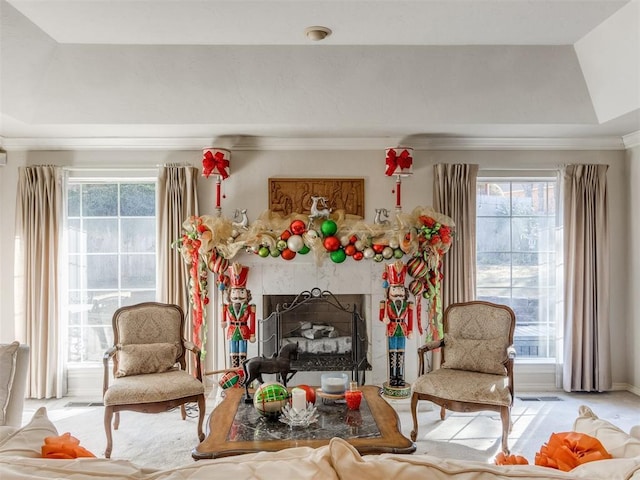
[[338, 256], [263, 252], [397, 253], [274, 252], [304, 250], [328, 228]]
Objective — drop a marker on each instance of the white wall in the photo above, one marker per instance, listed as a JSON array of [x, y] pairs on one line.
[[247, 188]]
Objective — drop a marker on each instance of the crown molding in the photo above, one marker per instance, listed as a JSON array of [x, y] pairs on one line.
[[632, 139], [321, 143]]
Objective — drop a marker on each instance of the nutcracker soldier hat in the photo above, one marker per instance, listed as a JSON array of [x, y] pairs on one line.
[[396, 273], [238, 274]]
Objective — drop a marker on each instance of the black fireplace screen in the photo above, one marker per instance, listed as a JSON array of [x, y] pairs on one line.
[[329, 330]]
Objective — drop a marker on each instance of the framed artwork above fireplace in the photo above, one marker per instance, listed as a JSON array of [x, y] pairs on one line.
[[293, 195]]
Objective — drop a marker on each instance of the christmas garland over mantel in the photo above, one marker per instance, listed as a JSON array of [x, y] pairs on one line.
[[210, 242]]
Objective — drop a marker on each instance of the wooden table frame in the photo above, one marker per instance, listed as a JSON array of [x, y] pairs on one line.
[[215, 444]]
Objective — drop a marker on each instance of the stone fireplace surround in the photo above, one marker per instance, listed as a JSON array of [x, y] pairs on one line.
[[275, 276]]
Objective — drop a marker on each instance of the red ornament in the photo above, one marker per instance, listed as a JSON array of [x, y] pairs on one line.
[[350, 250], [297, 227], [358, 256], [331, 243], [353, 239], [377, 248], [285, 235], [288, 254]]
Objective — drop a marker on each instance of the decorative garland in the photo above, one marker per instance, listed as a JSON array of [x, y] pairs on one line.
[[209, 242]]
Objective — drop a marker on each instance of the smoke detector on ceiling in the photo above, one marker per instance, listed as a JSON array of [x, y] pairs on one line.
[[317, 33]]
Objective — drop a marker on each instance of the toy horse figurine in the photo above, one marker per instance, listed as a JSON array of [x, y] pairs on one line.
[[281, 364], [315, 211], [381, 216], [244, 220]]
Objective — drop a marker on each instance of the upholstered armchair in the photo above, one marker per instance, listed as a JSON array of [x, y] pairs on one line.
[[477, 364], [149, 364]]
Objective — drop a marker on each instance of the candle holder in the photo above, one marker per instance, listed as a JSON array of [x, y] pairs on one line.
[[299, 418]]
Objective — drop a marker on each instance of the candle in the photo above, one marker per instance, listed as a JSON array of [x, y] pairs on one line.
[[298, 399]]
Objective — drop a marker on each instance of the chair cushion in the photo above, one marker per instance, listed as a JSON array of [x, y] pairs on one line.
[[154, 387], [7, 371], [136, 359], [485, 356], [465, 386]]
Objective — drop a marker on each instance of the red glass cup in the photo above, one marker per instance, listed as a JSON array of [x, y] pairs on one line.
[[353, 399]]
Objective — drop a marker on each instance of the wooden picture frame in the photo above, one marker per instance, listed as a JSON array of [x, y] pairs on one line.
[[293, 195]]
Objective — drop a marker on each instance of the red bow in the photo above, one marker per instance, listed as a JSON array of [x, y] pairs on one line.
[[217, 163], [404, 160]]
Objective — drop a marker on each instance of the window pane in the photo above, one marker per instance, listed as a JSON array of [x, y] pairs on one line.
[[99, 200], [138, 271], [73, 201], [516, 259], [111, 253], [494, 269], [138, 200], [493, 199], [493, 234], [138, 235], [102, 235], [75, 236], [102, 271]]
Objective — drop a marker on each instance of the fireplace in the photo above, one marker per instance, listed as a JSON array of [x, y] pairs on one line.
[[329, 330]]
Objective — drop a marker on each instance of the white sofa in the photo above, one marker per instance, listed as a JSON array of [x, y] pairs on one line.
[[19, 452]]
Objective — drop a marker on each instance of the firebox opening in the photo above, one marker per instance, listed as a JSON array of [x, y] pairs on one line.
[[329, 330]]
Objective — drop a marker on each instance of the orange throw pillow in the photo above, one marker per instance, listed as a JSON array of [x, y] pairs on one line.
[[567, 450], [502, 459], [65, 446]]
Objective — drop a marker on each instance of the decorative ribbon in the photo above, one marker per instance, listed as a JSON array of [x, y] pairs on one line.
[[404, 160], [215, 163]]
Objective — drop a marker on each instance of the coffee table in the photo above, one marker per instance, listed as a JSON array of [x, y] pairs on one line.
[[235, 427]]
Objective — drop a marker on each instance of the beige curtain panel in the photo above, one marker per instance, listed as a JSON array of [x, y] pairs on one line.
[[38, 219], [454, 194], [177, 201], [587, 360]]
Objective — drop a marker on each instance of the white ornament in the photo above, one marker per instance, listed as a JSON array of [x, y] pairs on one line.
[[368, 252], [387, 252], [359, 245], [295, 243]]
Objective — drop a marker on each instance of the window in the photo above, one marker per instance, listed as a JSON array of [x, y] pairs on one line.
[[111, 258], [517, 263]]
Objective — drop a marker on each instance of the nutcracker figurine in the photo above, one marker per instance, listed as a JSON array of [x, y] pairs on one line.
[[238, 315], [396, 312]]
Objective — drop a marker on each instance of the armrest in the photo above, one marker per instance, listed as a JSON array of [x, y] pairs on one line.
[[433, 345], [192, 347], [105, 361], [430, 346]]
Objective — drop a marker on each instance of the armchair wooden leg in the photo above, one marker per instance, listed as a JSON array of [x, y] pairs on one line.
[[183, 411], [443, 412], [202, 406], [414, 414], [108, 415], [505, 415], [116, 421]]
